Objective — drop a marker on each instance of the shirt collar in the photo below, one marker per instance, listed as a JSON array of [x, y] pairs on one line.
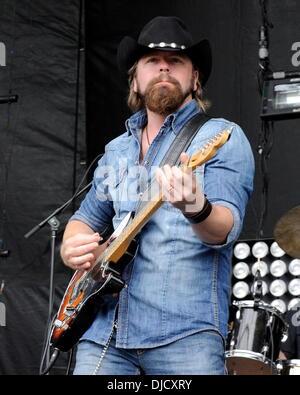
[[175, 120]]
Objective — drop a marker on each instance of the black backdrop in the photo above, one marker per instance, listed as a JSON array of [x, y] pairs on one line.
[[42, 143], [45, 141]]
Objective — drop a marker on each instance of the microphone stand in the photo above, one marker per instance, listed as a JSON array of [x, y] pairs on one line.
[[54, 224], [57, 211], [265, 140]]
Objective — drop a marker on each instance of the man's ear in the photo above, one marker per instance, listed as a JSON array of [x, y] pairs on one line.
[[134, 84], [196, 79]]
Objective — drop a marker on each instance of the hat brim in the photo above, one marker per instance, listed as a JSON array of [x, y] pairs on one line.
[[129, 51]]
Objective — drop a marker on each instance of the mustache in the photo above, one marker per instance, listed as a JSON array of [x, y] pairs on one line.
[[163, 77]]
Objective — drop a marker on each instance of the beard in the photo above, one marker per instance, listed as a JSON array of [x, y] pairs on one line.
[[165, 99]]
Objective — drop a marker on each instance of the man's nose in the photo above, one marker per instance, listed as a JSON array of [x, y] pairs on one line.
[[164, 66]]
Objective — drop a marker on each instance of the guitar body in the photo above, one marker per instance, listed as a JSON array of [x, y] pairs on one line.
[[81, 301], [72, 322], [82, 298]]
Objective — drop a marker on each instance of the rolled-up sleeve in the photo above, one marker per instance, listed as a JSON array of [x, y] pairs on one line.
[[96, 210], [228, 179]]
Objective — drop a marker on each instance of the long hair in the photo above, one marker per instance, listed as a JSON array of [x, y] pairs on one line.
[[136, 103]]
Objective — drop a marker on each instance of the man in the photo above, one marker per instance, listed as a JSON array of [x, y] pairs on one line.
[[290, 347], [172, 315]]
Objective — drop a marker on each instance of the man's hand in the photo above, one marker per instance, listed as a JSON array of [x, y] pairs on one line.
[[79, 252], [180, 187]]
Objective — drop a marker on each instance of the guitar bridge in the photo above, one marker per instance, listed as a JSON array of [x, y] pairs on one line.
[[107, 269], [70, 310], [61, 324]]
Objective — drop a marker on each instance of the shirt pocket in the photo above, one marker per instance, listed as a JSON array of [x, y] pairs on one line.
[[118, 186], [126, 190], [199, 174]]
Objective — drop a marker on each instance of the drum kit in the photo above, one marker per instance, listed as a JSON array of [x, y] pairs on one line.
[[257, 329]]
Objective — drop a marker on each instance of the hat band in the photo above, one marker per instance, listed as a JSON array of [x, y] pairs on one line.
[[166, 45]]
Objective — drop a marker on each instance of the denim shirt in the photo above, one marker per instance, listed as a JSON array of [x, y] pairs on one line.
[[177, 284]]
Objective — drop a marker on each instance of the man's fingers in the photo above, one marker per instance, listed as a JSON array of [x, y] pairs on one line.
[[184, 159], [76, 261], [82, 239], [77, 251], [83, 249]]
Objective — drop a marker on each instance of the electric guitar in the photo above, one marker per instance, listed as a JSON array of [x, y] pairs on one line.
[[81, 299]]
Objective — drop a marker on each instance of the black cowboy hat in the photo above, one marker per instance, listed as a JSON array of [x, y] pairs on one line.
[[165, 33]]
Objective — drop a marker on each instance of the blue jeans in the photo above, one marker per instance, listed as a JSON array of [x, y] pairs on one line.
[[199, 354]]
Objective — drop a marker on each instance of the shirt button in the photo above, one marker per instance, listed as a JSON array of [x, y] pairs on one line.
[[146, 162]]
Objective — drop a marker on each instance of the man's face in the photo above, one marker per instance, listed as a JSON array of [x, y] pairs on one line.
[[165, 80]]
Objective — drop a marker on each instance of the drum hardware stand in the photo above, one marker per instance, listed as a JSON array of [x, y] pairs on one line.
[[257, 292], [266, 348], [284, 334], [264, 351]]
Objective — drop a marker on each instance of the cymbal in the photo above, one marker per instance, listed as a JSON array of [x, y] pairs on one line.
[[287, 232]]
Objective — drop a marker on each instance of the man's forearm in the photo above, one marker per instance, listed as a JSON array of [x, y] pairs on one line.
[[215, 228], [74, 227]]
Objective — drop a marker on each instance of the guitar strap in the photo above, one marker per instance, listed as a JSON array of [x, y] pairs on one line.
[[184, 139], [172, 157]]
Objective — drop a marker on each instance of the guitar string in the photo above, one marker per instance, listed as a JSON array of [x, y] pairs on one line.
[[120, 240], [117, 242], [126, 231]]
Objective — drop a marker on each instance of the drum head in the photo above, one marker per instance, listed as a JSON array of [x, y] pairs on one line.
[[249, 364]]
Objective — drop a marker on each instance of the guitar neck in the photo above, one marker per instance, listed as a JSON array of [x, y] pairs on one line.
[[115, 250], [118, 247]]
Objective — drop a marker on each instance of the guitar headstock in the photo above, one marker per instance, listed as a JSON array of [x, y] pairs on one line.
[[209, 149]]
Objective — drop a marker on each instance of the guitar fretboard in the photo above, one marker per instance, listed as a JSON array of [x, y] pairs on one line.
[[117, 248], [114, 251]]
